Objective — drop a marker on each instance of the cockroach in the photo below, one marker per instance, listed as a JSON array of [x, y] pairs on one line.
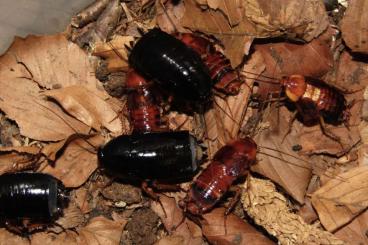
[[231, 162], [143, 108], [162, 156], [315, 100], [30, 201], [176, 67], [224, 77]]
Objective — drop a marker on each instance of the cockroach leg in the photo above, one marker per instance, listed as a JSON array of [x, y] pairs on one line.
[[237, 190], [328, 133], [165, 187]]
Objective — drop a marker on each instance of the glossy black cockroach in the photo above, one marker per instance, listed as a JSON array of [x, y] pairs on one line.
[[176, 67], [163, 156], [30, 201]]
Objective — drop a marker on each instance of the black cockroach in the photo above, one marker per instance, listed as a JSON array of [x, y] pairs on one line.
[[30, 201], [162, 156], [175, 66]]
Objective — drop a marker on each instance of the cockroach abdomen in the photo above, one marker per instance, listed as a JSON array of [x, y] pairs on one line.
[[37, 197], [176, 67], [167, 156]]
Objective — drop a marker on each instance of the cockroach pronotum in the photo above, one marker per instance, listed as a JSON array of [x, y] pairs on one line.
[[231, 162], [175, 66], [30, 201], [224, 77], [142, 105], [162, 156]]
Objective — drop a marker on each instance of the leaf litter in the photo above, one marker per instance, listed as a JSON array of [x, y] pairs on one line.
[[49, 90]]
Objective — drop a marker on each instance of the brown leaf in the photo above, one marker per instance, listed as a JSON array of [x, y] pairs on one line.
[[71, 218], [101, 231], [7, 237], [53, 61], [313, 59], [114, 52], [269, 209], [278, 164], [341, 199], [78, 162], [235, 39], [233, 9], [87, 106], [37, 119], [187, 230], [353, 26], [19, 158], [81, 196], [168, 16], [355, 233], [230, 230], [305, 19]]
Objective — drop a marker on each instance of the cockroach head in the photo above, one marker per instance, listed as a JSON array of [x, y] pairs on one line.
[[294, 86]]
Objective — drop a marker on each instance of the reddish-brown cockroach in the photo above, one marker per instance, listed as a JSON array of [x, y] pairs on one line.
[[316, 102], [224, 77], [143, 108], [231, 162]]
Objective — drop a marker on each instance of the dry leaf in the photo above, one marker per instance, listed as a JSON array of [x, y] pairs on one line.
[[235, 39], [168, 19], [341, 199], [270, 210], [78, 162], [101, 231], [278, 164], [353, 26], [7, 238], [230, 230], [303, 19], [53, 61], [71, 218], [233, 9], [19, 158], [313, 59], [87, 106], [114, 52], [355, 233], [187, 230]]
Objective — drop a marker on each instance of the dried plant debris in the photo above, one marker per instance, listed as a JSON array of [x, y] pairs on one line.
[[270, 210]]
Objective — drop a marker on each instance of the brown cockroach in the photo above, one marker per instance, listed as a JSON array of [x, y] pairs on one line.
[[143, 108], [230, 162]]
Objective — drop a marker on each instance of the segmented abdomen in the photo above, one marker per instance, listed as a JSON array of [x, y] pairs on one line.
[[329, 101], [143, 109], [223, 76]]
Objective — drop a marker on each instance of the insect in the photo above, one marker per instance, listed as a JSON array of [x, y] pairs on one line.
[[231, 162], [162, 156], [29, 201], [315, 102], [224, 77], [175, 66], [142, 106]]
